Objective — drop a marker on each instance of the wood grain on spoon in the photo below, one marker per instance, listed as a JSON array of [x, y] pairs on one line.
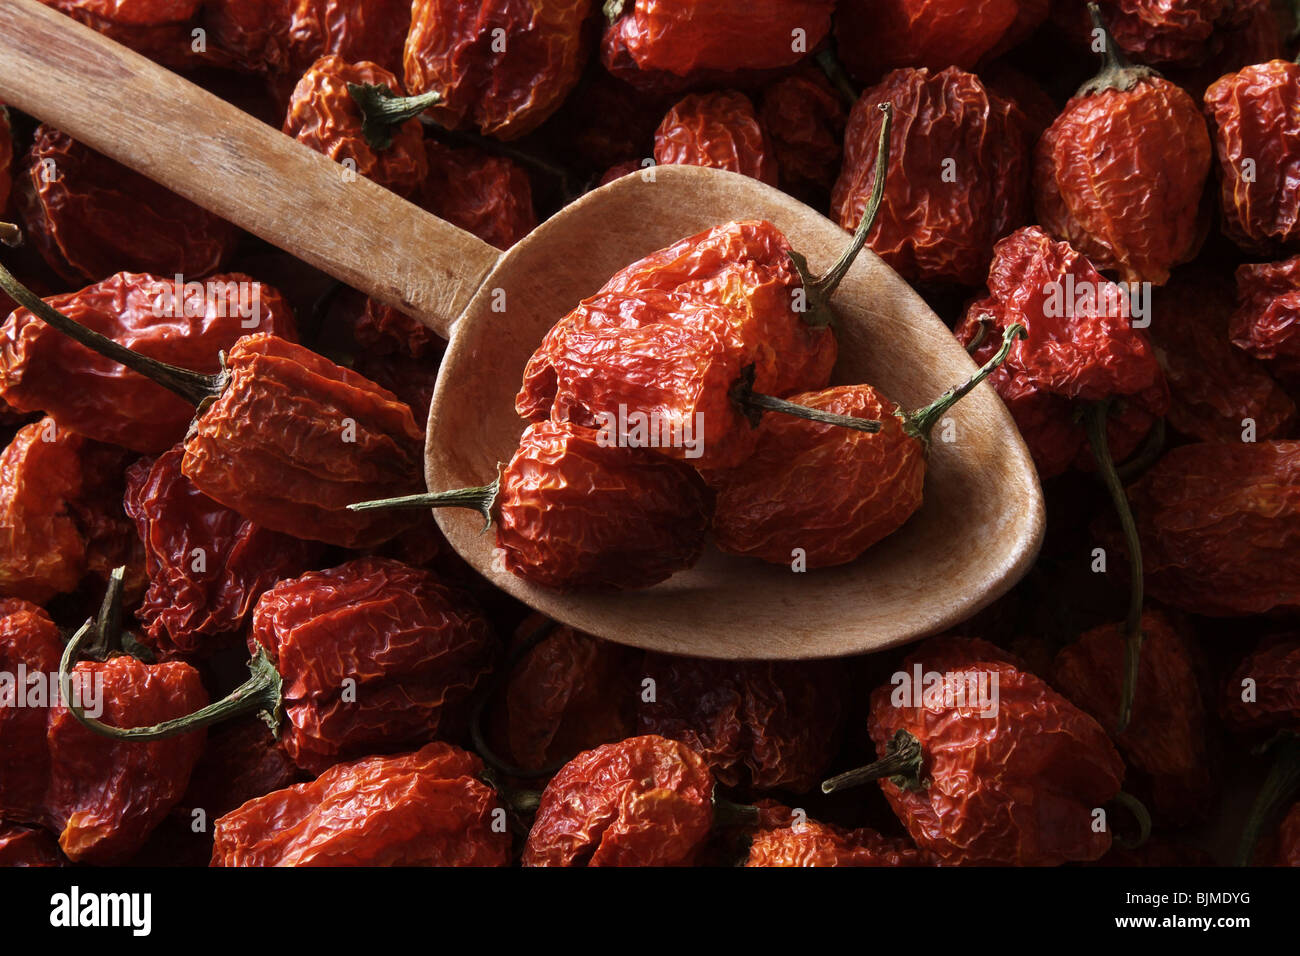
[[975, 536]]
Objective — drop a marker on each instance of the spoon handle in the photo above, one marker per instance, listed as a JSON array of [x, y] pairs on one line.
[[201, 147]]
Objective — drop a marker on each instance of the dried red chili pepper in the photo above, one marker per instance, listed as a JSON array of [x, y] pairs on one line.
[[427, 808], [1025, 796], [720, 130], [287, 36], [490, 196], [1038, 107], [1160, 31], [372, 655], [207, 565], [809, 843], [671, 43], [1266, 322], [90, 217], [875, 36], [1220, 527], [241, 762], [567, 693], [662, 342], [1121, 172], [573, 512], [28, 846], [1257, 141], [42, 370], [827, 493], [60, 512], [958, 180], [760, 724], [644, 801], [102, 799], [804, 118], [1215, 390], [1165, 741], [500, 67], [158, 29], [1271, 699], [325, 114]]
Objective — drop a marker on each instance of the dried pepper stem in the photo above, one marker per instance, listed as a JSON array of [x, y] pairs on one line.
[[830, 65], [901, 764], [1117, 73], [482, 499], [754, 404], [195, 387], [381, 110], [1280, 786], [921, 422], [261, 693], [1095, 420], [108, 625], [727, 813], [1140, 813]]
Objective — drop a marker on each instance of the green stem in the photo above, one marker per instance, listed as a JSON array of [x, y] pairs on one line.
[[1140, 813], [1095, 421], [1153, 447], [1280, 787], [919, 423], [1117, 72], [195, 387], [901, 764], [755, 404], [381, 110], [108, 625], [261, 692], [729, 814], [482, 499], [830, 65]]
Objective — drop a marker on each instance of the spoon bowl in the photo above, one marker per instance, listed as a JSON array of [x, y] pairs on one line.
[[982, 521]]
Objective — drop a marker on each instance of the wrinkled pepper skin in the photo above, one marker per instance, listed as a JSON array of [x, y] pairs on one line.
[[569, 693], [287, 36], [1161, 32], [666, 43], [324, 116], [43, 370], [957, 179], [1214, 388], [875, 36], [1075, 351], [1220, 527], [28, 846], [804, 119], [375, 656], [644, 801], [502, 66], [719, 130], [573, 513], [670, 335], [351, 441], [1252, 118], [810, 843], [426, 808], [1120, 176], [91, 217], [1266, 323], [102, 797], [207, 565], [760, 724], [490, 196], [1164, 744], [1274, 668], [241, 762], [158, 29], [1017, 788], [827, 490]]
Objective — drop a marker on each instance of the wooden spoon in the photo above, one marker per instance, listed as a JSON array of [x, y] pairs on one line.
[[976, 535]]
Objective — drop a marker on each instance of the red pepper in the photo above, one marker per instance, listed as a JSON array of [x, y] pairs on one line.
[[207, 565], [91, 217], [158, 29], [958, 179], [1026, 796], [28, 846], [490, 196], [103, 799], [810, 843], [426, 808], [41, 369], [720, 130], [1267, 320], [804, 118], [1263, 693]]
